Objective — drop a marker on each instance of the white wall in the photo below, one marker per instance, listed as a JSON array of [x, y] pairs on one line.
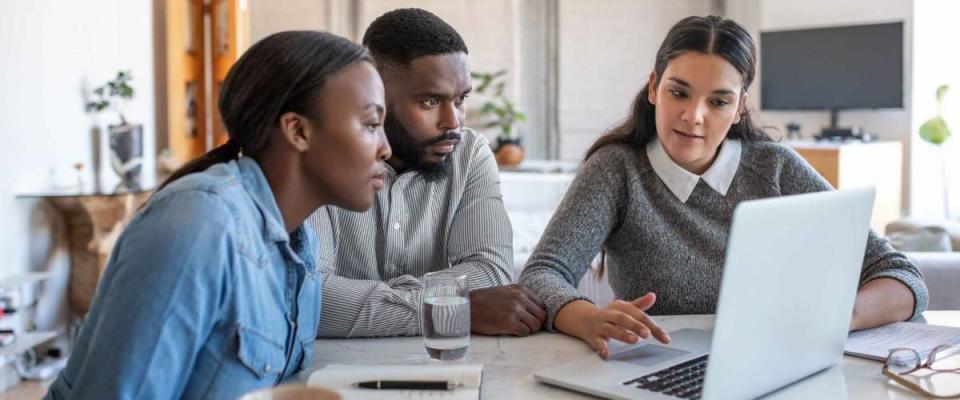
[[936, 60], [607, 50], [270, 16], [53, 51], [488, 27]]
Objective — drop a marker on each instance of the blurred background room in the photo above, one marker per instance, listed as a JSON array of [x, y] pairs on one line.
[[99, 99]]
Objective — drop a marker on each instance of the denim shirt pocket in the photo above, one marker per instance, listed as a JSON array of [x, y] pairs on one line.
[[259, 353]]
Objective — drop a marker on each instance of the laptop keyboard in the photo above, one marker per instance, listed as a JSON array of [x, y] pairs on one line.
[[682, 380]]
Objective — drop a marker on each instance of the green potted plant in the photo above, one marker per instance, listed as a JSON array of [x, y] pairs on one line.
[[935, 131], [500, 112], [126, 139]]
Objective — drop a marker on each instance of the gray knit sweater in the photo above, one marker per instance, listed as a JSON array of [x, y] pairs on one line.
[[656, 243]]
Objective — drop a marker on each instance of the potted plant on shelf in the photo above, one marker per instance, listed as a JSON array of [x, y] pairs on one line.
[[126, 139], [936, 132], [500, 112]]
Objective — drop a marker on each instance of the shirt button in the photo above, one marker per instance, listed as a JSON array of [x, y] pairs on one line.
[[268, 368], [396, 226]]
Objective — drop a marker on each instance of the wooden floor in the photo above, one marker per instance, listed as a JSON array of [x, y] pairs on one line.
[[27, 390]]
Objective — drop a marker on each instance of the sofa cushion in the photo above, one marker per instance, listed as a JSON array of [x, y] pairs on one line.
[[925, 239], [952, 228], [941, 273]]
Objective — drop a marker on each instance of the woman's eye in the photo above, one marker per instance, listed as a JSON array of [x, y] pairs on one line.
[[721, 103], [373, 126], [677, 93]]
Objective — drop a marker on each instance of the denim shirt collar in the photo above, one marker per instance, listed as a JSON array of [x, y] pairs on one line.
[[256, 185]]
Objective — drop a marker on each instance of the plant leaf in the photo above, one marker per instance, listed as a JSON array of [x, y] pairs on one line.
[[500, 109], [935, 130], [941, 93], [485, 80], [498, 90]]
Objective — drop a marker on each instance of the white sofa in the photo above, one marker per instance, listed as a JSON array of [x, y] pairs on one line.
[[941, 272], [939, 263]]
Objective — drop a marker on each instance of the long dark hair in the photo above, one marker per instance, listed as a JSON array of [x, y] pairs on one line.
[[282, 73], [707, 35]]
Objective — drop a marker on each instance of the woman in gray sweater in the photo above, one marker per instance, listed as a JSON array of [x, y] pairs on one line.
[[657, 194]]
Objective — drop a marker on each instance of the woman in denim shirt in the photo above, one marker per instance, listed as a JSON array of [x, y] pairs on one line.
[[213, 289]]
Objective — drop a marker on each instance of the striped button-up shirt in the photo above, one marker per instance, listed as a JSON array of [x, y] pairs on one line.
[[372, 261]]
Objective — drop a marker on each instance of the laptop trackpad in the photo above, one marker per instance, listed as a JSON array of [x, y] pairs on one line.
[[647, 355]]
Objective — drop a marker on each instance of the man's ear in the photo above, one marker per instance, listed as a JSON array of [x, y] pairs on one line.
[[295, 130], [741, 109], [652, 88]]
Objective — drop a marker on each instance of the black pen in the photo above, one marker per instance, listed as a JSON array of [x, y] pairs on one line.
[[409, 385]]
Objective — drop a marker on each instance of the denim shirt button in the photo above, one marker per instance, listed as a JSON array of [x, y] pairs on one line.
[[268, 368]]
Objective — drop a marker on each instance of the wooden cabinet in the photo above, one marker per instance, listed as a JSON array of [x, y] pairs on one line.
[[849, 165], [201, 40]]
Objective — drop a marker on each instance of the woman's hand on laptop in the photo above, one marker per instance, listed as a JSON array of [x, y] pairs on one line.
[[625, 321]]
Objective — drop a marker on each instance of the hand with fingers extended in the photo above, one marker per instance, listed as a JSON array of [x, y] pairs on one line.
[[625, 321], [505, 310]]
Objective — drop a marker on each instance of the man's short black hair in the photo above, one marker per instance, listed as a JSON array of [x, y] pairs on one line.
[[400, 36]]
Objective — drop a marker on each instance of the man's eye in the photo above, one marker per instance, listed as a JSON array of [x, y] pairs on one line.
[[462, 99], [432, 102]]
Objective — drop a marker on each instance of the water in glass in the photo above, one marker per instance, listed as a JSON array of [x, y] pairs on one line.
[[446, 316]]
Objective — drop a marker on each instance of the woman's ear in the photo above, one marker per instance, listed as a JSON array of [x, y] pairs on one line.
[[295, 130], [652, 88], [741, 108]]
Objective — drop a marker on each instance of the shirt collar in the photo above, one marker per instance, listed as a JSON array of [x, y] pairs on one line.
[[256, 185], [682, 182], [301, 242]]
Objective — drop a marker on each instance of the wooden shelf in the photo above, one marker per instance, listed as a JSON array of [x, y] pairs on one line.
[[26, 341], [15, 281]]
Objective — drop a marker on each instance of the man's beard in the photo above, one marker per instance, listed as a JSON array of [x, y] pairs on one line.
[[413, 154]]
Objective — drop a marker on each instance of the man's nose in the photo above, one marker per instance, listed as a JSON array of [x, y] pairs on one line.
[[449, 117]]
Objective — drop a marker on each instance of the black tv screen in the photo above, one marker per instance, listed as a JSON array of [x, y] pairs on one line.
[[832, 68]]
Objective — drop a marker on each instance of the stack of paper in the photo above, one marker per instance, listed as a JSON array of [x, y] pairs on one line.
[[343, 379], [876, 343]]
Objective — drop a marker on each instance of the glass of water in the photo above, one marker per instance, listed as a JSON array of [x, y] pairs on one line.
[[445, 319]]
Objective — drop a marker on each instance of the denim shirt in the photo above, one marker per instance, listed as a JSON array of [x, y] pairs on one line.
[[205, 296]]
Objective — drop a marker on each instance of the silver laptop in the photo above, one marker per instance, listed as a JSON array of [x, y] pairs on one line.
[[789, 281]]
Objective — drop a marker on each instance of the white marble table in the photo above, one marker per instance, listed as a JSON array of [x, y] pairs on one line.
[[509, 363]]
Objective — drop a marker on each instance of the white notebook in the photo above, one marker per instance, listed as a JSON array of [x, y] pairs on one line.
[[876, 343], [343, 379]]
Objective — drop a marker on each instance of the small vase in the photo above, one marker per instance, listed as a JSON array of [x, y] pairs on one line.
[[126, 155], [509, 152]]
